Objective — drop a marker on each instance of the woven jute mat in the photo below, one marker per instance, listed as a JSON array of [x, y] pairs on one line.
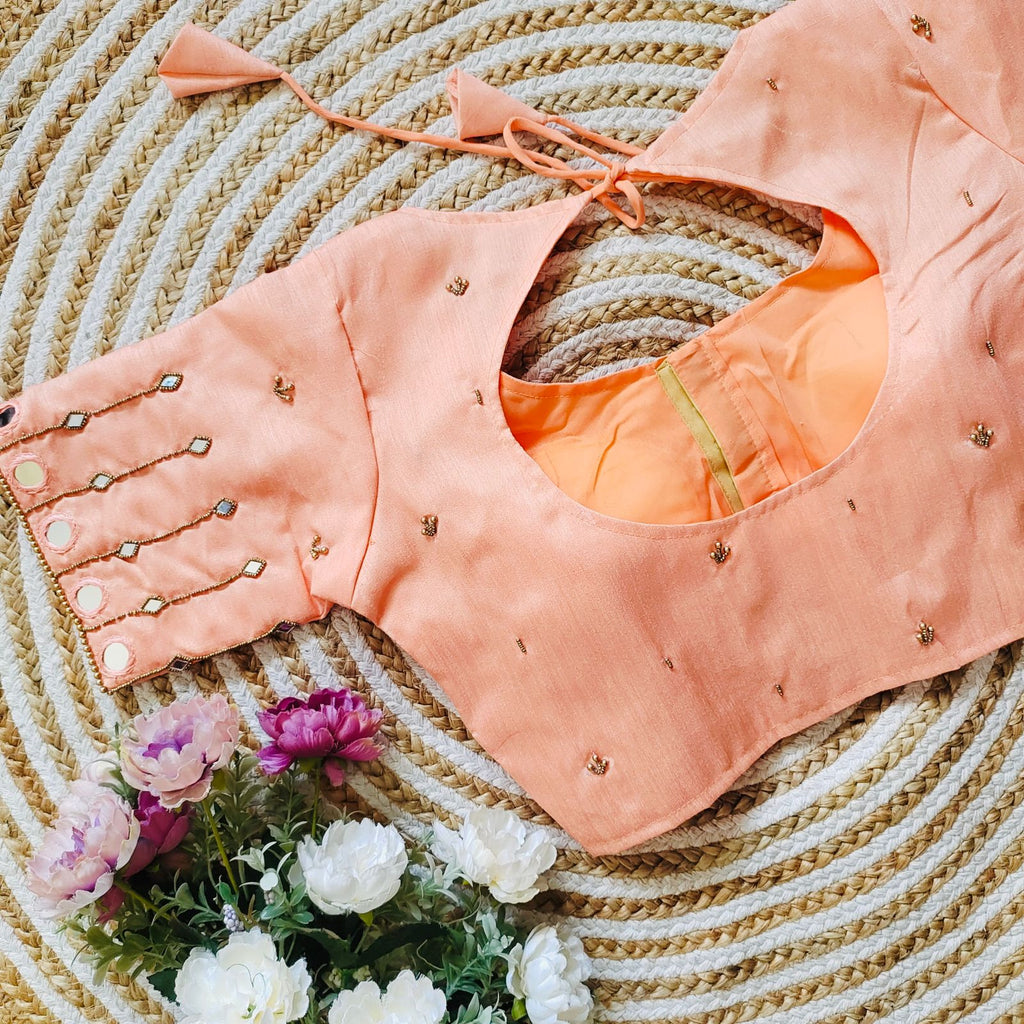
[[869, 868]]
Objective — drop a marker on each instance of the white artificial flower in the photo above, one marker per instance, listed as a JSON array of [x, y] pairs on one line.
[[103, 770], [495, 848], [409, 999], [244, 983], [547, 973], [357, 866]]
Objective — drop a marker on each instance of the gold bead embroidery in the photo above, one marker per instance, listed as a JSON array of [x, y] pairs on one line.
[[981, 435], [772, 84], [991, 349], [429, 526], [458, 286], [479, 397], [316, 549], [967, 198], [101, 481], [520, 645], [850, 502], [285, 390], [597, 765], [128, 549], [154, 605], [667, 663], [778, 690], [77, 419], [925, 633], [920, 24], [720, 552]]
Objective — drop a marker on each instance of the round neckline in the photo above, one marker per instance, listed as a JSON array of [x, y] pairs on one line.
[[523, 469]]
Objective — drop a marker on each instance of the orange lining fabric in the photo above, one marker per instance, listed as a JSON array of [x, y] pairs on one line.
[[784, 385]]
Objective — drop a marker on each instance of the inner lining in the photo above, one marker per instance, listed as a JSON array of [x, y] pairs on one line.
[[764, 398]]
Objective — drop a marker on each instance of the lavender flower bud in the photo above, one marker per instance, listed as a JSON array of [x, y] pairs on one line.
[[231, 919]]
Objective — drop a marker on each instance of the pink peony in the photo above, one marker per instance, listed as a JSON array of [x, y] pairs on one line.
[[330, 725], [95, 834], [179, 748], [160, 832]]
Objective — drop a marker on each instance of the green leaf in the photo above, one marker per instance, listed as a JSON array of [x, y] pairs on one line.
[[163, 981], [518, 1009], [183, 897], [339, 950], [402, 936]]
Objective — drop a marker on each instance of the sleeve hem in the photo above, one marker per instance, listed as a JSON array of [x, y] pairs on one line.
[[107, 681], [52, 579]]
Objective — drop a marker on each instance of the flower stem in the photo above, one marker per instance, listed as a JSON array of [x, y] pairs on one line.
[[316, 801], [220, 845], [129, 890], [192, 934]]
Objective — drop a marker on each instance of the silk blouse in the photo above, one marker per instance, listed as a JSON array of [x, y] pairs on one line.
[[630, 587]]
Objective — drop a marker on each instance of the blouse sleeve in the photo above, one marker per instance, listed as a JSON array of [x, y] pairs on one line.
[[194, 490]]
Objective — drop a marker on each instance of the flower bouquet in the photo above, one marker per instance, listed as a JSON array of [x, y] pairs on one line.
[[241, 891]]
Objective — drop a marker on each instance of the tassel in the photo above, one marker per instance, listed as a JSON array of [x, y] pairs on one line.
[[198, 61], [481, 109]]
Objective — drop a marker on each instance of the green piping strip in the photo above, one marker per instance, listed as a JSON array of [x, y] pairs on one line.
[[702, 433]]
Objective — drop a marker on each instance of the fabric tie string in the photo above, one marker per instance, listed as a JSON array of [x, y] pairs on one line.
[[613, 178], [198, 61]]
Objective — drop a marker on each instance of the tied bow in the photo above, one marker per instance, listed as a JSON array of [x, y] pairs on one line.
[[198, 61]]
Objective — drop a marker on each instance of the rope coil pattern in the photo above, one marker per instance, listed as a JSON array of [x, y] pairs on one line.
[[870, 868]]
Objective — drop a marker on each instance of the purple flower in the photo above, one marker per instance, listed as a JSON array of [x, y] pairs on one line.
[[179, 747], [95, 834], [160, 832], [330, 726]]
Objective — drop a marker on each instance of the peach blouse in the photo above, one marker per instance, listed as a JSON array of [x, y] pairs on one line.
[[629, 587]]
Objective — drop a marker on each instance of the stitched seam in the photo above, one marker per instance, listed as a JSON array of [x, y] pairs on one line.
[[376, 459], [967, 124], [735, 397], [329, 270], [915, 63], [731, 386]]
